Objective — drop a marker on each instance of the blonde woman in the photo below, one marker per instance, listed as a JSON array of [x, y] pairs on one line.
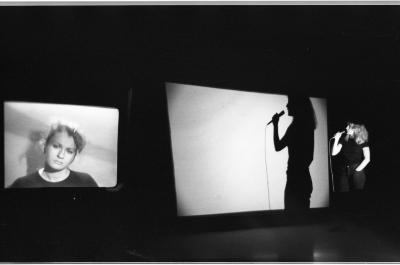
[[63, 143], [355, 156]]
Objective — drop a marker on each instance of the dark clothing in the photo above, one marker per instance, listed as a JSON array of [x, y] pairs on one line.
[[352, 152], [349, 178], [300, 143], [75, 179], [298, 190], [351, 157]]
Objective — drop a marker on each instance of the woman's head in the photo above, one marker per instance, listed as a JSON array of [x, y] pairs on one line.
[[301, 109], [62, 145], [358, 132]]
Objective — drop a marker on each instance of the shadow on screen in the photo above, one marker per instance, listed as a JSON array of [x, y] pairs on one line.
[[299, 139], [34, 153]]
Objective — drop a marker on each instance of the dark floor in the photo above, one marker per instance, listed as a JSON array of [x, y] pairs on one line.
[[369, 235], [336, 237]]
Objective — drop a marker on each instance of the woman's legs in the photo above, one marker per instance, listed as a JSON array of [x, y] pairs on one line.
[[298, 190], [358, 180]]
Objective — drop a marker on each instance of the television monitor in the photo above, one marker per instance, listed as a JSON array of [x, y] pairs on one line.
[[223, 151], [35, 158]]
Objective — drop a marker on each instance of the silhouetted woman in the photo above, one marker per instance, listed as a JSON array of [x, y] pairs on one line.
[[299, 139]]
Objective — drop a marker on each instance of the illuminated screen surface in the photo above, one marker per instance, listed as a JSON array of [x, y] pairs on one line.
[[223, 150], [27, 124]]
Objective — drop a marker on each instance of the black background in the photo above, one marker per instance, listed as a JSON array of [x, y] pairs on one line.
[[95, 54]]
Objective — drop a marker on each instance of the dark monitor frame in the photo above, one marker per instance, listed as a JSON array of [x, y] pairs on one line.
[[118, 98]]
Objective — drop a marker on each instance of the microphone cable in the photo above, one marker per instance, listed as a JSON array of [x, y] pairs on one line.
[[330, 163], [266, 166]]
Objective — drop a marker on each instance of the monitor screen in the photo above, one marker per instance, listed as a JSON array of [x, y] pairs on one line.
[[59, 145], [225, 158]]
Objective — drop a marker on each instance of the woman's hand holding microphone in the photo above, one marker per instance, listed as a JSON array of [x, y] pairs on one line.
[[338, 135]]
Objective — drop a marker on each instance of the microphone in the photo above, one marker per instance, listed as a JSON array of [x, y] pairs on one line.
[[279, 114], [342, 132]]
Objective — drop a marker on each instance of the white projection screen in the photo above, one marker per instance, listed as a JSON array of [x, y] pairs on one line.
[[223, 150], [27, 123]]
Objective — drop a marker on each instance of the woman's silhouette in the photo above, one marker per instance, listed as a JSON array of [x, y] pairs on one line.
[[299, 139], [34, 154]]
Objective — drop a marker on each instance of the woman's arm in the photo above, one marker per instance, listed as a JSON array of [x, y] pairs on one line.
[[278, 143], [336, 146], [366, 160]]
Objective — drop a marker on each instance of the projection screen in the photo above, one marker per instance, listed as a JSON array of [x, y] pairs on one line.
[[223, 150]]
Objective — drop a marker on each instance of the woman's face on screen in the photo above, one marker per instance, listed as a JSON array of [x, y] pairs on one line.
[[60, 151]]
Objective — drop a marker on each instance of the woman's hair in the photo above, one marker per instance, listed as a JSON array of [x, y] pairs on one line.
[[360, 133], [71, 130], [303, 110]]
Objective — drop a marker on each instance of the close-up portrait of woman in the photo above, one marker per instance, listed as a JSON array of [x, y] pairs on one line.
[[60, 149], [59, 145]]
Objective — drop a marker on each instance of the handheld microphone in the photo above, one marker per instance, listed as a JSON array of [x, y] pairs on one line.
[[279, 114], [342, 132]]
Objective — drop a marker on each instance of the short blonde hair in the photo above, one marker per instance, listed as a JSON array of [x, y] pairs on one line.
[[71, 130], [360, 132]]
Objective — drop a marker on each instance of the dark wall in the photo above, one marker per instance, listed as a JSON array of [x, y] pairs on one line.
[[349, 54]]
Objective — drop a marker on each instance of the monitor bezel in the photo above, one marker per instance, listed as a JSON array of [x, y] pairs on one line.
[[119, 99]]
